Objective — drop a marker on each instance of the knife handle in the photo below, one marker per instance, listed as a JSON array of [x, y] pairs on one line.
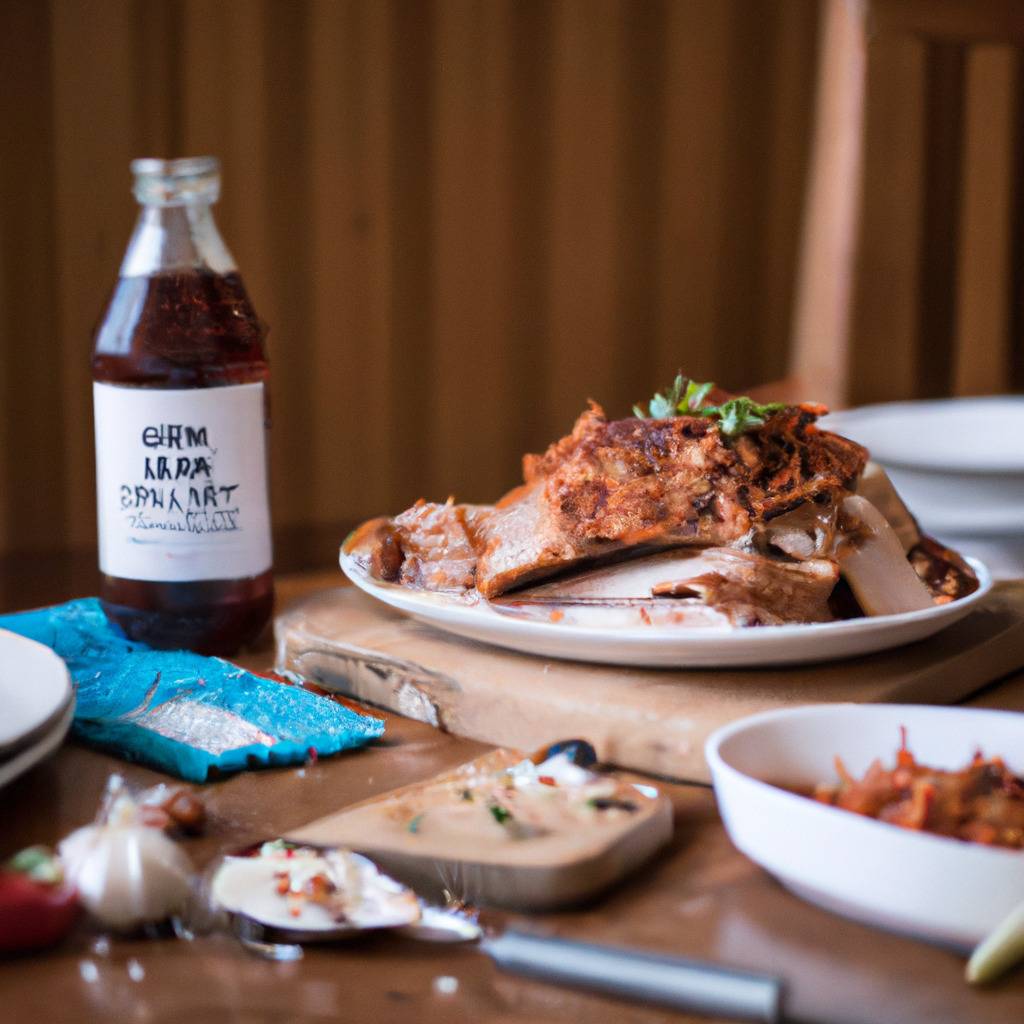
[[675, 982]]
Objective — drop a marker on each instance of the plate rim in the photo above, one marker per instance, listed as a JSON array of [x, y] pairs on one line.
[[26, 737], [30, 756], [676, 648], [933, 465], [643, 635]]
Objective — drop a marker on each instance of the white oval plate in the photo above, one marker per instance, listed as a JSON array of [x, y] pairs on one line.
[[668, 647], [934, 888], [959, 435], [34, 689]]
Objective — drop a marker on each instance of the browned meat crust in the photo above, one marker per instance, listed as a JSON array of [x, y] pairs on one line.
[[429, 545], [612, 485], [657, 483]]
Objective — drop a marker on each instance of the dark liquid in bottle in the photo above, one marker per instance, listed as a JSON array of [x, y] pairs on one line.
[[184, 329]]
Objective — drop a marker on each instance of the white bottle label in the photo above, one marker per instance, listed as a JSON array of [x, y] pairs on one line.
[[181, 482]]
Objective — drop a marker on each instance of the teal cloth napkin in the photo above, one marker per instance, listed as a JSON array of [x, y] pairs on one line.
[[189, 715]]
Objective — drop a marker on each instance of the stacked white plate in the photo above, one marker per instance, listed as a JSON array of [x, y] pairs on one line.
[[37, 703], [958, 464]]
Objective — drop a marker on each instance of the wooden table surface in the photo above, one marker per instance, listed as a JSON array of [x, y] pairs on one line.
[[701, 898]]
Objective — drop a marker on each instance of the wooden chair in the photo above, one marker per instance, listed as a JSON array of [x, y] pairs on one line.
[[911, 275]]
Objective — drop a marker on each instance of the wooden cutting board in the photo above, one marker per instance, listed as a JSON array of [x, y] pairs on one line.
[[650, 720], [532, 873]]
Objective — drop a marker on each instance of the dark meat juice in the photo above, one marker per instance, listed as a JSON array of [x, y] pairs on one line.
[[180, 397]]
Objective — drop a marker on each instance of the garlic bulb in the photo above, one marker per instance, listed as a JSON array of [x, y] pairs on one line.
[[126, 874]]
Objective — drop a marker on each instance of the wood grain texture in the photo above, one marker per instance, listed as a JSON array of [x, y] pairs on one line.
[[460, 219], [649, 720], [885, 328], [909, 284], [984, 273], [542, 873]]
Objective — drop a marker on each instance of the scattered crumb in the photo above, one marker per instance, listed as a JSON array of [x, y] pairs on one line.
[[101, 946], [446, 985], [696, 905], [135, 970], [89, 971], [301, 773]]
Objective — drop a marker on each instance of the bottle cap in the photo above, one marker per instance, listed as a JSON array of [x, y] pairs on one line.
[[190, 179]]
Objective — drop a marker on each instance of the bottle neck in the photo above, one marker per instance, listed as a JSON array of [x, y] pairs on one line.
[[181, 237]]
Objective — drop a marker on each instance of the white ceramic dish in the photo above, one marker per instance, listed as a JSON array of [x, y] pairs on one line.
[[667, 647], [35, 689], [958, 463], [40, 748], [934, 888], [974, 435]]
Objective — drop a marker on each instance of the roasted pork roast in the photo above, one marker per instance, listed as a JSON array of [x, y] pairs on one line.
[[765, 504]]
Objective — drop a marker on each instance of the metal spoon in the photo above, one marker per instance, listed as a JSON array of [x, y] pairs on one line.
[[666, 980]]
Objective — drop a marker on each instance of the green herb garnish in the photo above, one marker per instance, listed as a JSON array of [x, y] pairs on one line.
[[686, 397], [693, 399], [739, 415], [414, 824], [683, 396], [499, 813]]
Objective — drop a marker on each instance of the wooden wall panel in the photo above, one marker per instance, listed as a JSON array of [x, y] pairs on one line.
[[693, 193], [885, 311], [474, 368], [91, 150], [32, 424], [586, 112], [460, 219], [983, 313]]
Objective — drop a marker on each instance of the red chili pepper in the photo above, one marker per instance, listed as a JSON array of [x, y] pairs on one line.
[[312, 759], [33, 914], [546, 780]]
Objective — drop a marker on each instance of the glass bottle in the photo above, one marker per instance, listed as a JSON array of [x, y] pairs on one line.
[[181, 410]]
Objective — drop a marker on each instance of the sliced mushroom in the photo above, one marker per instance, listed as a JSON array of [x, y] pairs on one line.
[[876, 486], [874, 563]]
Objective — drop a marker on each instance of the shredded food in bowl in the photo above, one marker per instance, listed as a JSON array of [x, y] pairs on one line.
[[981, 803]]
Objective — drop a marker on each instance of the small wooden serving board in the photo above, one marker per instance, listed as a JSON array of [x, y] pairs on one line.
[[649, 720], [542, 872]]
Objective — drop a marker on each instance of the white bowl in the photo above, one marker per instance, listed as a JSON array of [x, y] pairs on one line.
[[939, 889], [958, 463]]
